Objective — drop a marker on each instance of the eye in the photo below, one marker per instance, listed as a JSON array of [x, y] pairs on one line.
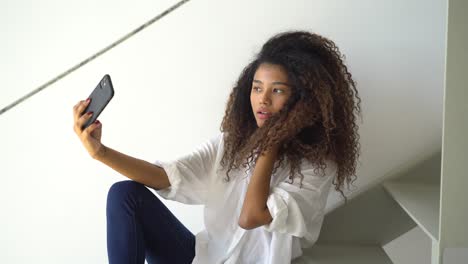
[[280, 90], [255, 88]]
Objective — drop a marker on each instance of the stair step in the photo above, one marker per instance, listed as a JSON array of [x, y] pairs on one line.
[[421, 203], [340, 254], [374, 209]]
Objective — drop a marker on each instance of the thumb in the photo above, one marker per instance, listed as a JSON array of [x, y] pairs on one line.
[[97, 132]]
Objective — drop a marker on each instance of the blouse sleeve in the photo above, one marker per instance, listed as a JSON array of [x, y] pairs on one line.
[[190, 174], [300, 211]]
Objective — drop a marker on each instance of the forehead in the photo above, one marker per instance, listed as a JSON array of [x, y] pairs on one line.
[[271, 72]]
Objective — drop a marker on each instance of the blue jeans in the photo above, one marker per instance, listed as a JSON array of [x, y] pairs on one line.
[[140, 226]]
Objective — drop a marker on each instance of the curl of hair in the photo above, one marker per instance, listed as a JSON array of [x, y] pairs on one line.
[[317, 122]]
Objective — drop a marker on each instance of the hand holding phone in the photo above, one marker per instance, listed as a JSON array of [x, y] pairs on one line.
[[100, 97], [98, 100]]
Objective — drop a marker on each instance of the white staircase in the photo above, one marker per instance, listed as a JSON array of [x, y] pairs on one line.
[[431, 194]]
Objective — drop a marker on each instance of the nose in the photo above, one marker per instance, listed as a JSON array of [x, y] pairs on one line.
[[264, 98]]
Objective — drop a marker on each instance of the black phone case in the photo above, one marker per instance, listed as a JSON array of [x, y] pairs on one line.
[[100, 97]]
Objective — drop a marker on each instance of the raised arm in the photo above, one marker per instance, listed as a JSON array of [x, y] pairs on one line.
[[136, 169]]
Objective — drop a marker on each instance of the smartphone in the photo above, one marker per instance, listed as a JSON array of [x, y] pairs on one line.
[[100, 97]]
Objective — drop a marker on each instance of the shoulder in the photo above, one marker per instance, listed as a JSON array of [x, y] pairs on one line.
[[313, 168], [214, 143], [217, 139]]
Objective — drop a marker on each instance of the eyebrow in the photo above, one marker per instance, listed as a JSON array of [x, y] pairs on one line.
[[257, 81]]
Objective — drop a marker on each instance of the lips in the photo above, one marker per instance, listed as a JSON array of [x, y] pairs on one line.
[[264, 110], [263, 116]]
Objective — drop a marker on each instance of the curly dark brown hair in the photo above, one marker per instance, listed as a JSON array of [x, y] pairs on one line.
[[316, 123]]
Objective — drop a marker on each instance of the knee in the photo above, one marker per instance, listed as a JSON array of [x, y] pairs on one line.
[[123, 189]]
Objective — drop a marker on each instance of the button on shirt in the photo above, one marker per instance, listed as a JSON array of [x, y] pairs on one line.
[[197, 178]]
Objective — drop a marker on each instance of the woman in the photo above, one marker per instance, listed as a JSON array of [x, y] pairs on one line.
[[290, 115]]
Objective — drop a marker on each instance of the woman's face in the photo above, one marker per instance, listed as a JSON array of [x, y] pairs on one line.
[[270, 91]]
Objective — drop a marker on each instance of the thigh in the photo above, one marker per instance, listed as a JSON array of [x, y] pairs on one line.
[[167, 240]]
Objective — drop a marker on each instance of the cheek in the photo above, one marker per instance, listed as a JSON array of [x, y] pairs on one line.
[[281, 103]]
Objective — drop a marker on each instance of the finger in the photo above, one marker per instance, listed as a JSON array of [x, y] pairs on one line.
[[83, 105], [79, 109], [74, 109], [76, 128], [96, 133], [82, 120], [91, 127], [78, 104]]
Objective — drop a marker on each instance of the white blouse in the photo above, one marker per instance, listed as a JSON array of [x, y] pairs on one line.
[[197, 178]]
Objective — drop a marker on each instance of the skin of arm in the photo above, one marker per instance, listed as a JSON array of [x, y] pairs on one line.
[[135, 169], [254, 211]]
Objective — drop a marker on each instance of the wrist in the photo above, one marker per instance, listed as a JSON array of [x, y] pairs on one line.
[[271, 151], [100, 153]]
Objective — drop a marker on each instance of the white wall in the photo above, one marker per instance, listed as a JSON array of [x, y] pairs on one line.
[[53, 194]]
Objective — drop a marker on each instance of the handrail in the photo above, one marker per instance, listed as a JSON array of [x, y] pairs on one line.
[[94, 56]]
